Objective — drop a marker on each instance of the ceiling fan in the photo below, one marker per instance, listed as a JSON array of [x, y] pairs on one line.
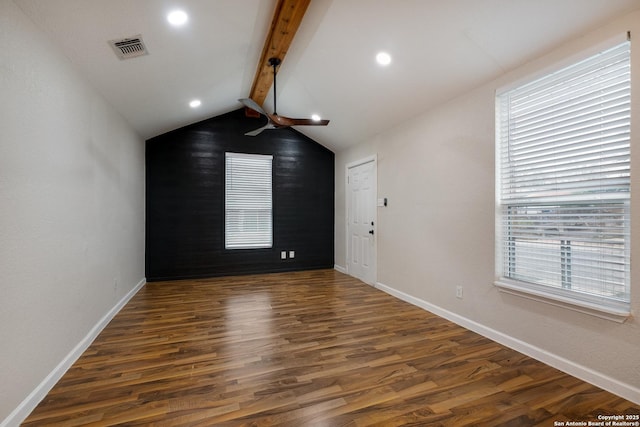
[[277, 121]]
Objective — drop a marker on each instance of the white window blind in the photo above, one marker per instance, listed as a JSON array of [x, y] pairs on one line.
[[564, 183], [248, 201]]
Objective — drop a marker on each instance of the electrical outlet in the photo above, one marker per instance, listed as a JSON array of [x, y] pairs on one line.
[[292, 254], [459, 292], [283, 255]]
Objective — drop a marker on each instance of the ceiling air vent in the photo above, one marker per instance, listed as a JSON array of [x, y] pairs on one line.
[[129, 47]]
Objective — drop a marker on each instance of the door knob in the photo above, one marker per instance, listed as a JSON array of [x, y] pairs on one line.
[[371, 232]]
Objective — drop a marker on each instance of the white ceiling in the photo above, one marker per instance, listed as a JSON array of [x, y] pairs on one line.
[[440, 49]]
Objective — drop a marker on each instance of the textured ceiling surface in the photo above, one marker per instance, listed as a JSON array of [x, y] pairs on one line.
[[440, 49]]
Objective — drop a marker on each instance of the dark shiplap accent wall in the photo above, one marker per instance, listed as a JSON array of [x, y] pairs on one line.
[[185, 200]]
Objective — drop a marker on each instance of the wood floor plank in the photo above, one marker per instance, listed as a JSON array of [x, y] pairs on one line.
[[304, 348]]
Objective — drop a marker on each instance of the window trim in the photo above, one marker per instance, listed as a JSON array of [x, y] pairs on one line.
[[251, 247], [617, 311], [513, 287]]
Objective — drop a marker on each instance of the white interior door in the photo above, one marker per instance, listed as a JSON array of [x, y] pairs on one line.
[[361, 217]]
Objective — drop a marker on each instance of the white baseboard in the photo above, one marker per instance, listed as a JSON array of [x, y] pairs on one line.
[[627, 391], [340, 268], [23, 410]]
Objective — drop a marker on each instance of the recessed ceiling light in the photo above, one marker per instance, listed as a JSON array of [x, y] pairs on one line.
[[383, 58], [195, 103], [315, 117], [177, 18]]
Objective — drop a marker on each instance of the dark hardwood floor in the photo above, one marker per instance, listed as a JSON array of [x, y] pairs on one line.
[[315, 348]]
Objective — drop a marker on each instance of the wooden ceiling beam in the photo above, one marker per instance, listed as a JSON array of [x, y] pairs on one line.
[[286, 20]]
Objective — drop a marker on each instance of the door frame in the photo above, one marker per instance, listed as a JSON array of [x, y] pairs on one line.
[[373, 158]]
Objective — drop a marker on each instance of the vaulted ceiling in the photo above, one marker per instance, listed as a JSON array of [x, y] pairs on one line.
[[439, 48]]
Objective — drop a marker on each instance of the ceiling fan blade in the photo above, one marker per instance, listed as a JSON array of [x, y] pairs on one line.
[[309, 122], [288, 121], [250, 103], [260, 129]]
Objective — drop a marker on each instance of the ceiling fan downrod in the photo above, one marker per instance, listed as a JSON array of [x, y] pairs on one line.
[[274, 62]]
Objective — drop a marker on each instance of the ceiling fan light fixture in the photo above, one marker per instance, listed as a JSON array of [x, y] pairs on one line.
[[383, 58], [177, 18], [316, 117], [195, 103]]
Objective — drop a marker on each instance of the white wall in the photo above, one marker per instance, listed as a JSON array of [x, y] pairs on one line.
[[71, 209], [437, 171]]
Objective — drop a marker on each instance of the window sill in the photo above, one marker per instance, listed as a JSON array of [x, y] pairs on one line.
[[512, 287]]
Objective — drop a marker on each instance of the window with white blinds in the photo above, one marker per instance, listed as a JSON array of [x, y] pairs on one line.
[[563, 184], [248, 201]]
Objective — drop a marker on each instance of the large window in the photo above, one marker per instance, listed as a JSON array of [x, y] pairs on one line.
[[563, 184], [248, 201]]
